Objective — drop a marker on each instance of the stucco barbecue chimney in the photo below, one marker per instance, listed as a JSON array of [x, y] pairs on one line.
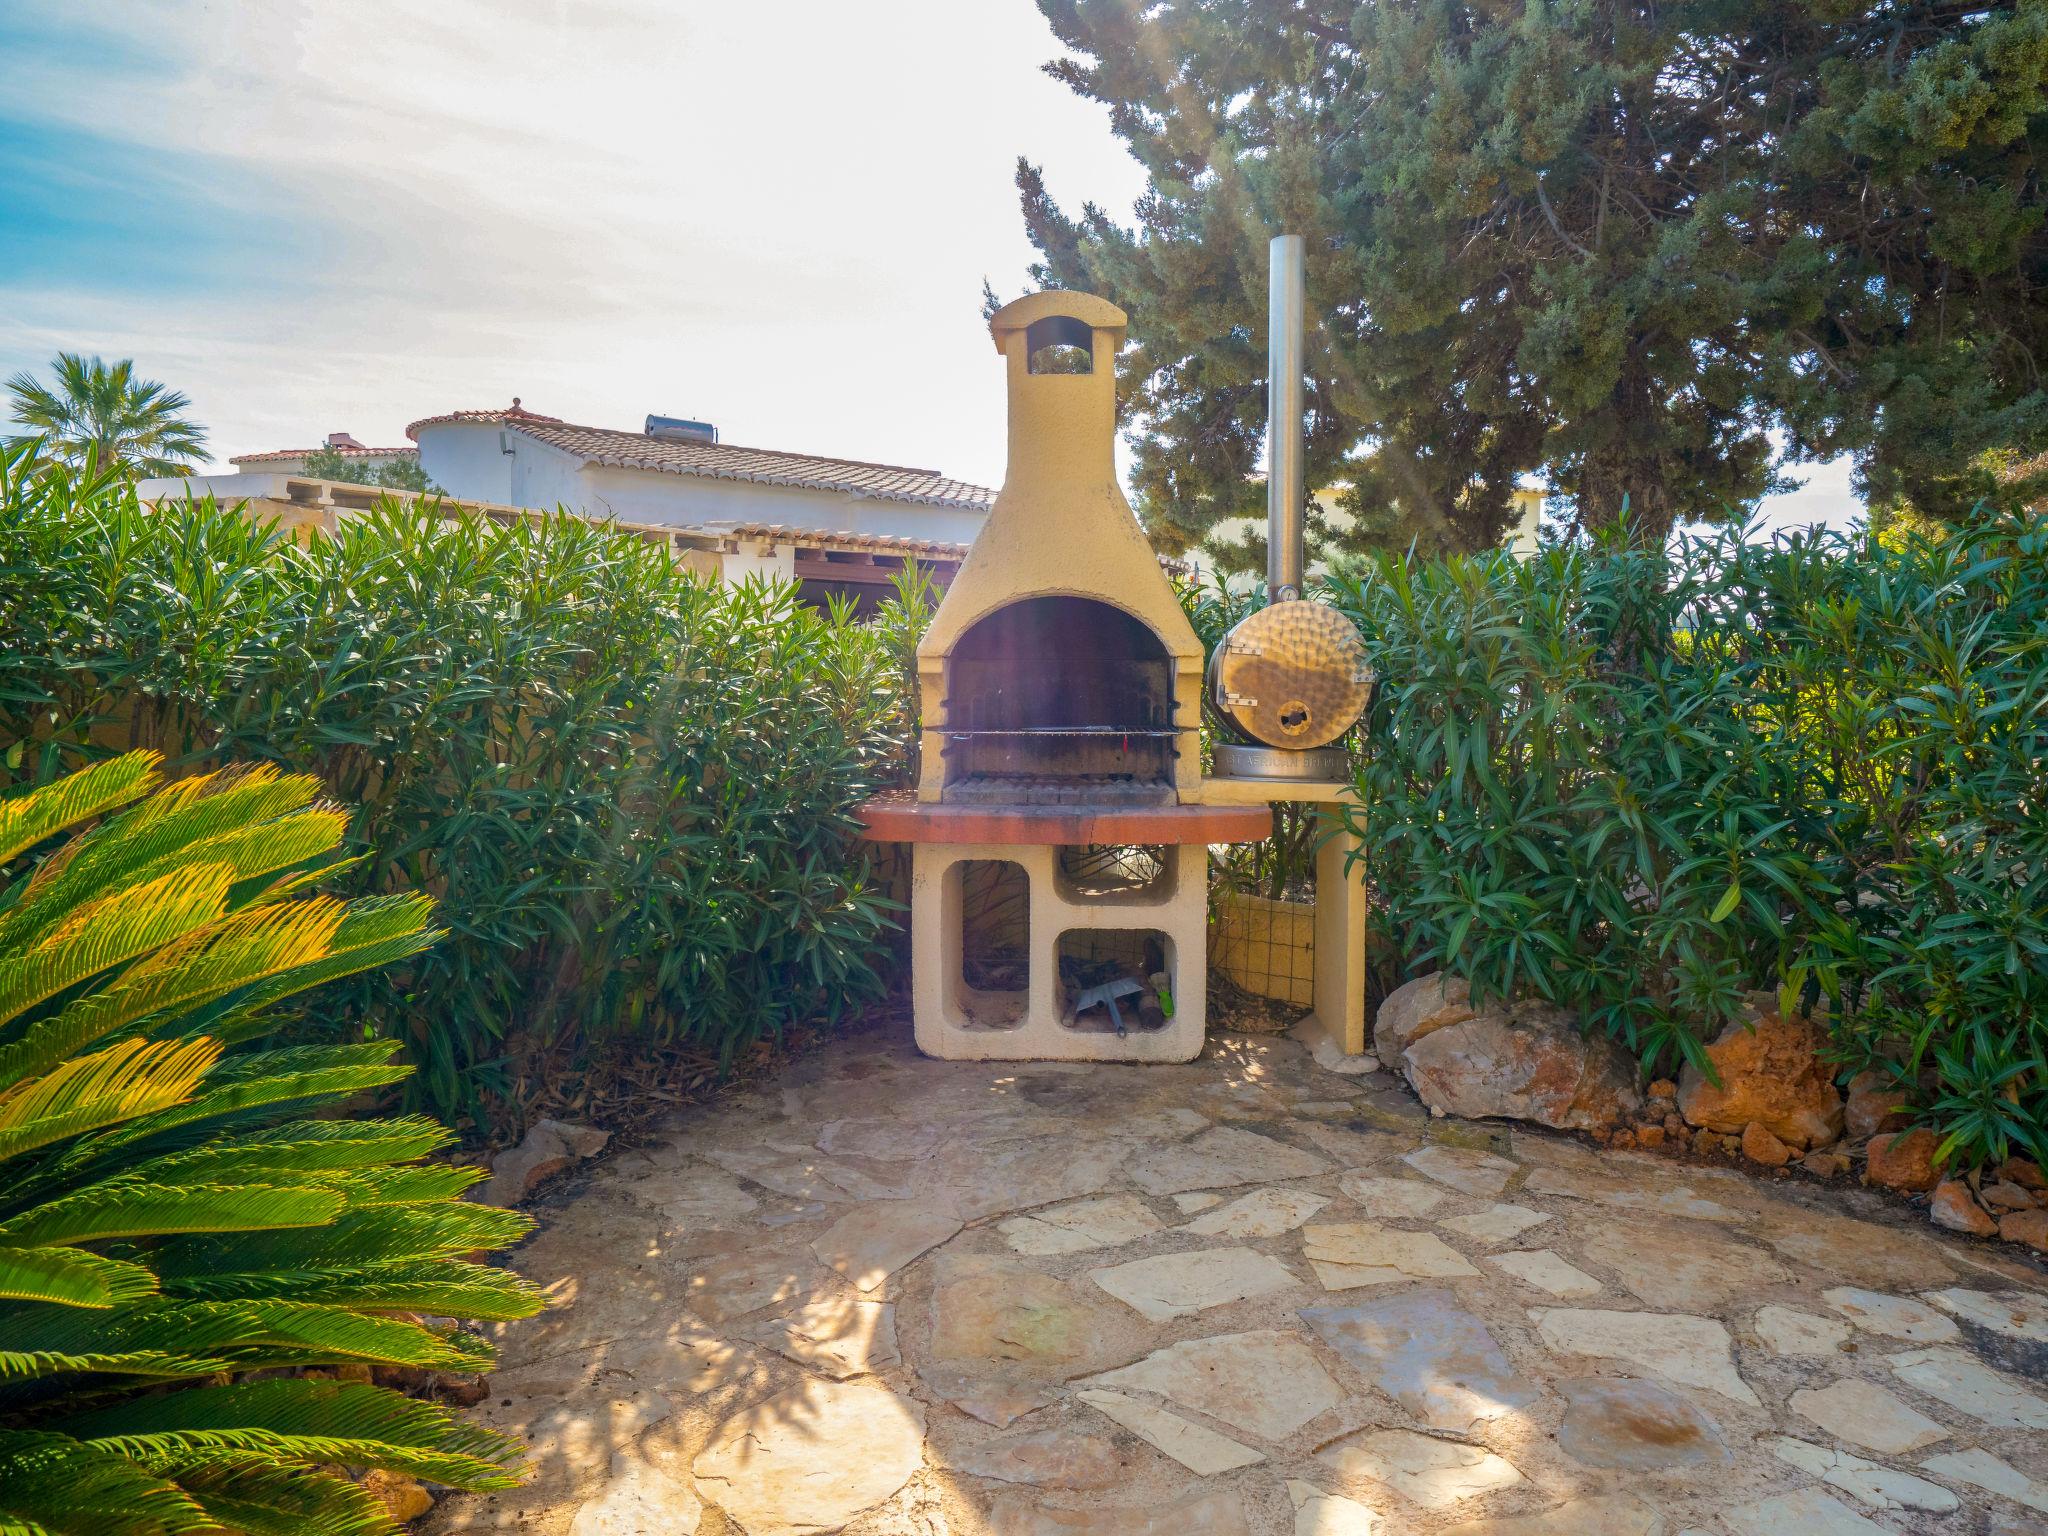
[[1060, 876]]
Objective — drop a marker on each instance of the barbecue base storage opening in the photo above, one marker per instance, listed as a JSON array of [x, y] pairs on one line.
[[1067, 973]]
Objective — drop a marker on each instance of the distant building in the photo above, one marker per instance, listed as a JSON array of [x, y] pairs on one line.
[[834, 525], [292, 461]]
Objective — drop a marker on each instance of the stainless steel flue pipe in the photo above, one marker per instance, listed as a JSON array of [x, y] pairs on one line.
[[1286, 302]]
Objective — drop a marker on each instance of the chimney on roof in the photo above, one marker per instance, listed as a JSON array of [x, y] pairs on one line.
[[677, 428], [342, 440]]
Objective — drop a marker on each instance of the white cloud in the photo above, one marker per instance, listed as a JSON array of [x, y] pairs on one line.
[[776, 218]]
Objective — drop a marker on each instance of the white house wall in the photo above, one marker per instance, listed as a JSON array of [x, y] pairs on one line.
[[466, 460]]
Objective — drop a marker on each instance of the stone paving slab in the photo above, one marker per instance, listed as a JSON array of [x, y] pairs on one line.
[[1241, 1297]]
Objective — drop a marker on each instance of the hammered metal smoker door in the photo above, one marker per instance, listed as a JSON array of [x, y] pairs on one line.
[[1291, 675]]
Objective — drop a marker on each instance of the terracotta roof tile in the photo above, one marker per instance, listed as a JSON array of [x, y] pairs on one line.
[[407, 452], [512, 415]]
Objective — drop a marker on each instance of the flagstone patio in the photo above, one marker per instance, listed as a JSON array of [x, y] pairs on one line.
[[1243, 1297]]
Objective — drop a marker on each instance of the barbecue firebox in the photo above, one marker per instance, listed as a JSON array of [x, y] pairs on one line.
[[1061, 689]]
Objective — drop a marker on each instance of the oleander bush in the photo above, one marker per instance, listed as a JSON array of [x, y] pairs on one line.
[[629, 790], [186, 1223], [1645, 782]]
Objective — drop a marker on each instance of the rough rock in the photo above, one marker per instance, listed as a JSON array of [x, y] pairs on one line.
[[1220, 1157], [1465, 1169], [1433, 1473], [1427, 1353], [1760, 1146], [402, 1496], [810, 1459], [836, 1334], [1679, 1264], [743, 1282], [1637, 1426], [1825, 1165], [1414, 1012], [1869, 1482], [1864, 1414], [1969, 1386], [583, 1141], [1791, 1334], [1262, 1213], [1105, 1223], [995, 1400], [1180, 1284], [1044, 1458], [872, 1241], [1266, 1383], [2023, 1173], [2029, 1227], [1212, 1514], [1981, 1469], [995, 1317], [518, 1171], [1392, 1199], [1546, 1272], [1202, 1451], [1872, 1106], [1862, 1251], [2014, 1314], [1903, 1160], [1771, 1074], [1893, 1317], [1524, 1062], [636, 1499], [1614, 1514], [2001, 1195], [1809, 1512], [1496, 1224], [1317, 1513], [1691, 1351], [1349, 1254]]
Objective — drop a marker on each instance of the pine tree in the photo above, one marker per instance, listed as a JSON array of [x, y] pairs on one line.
[[1620, 244]]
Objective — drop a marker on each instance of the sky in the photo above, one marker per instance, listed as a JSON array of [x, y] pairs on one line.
[[317, 217]]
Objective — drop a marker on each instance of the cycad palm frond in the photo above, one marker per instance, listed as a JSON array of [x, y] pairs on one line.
[[26, 820], [164, 1220], [197, 967], [72, 1277], [114, 929], [133, 1077], [51, 1485]]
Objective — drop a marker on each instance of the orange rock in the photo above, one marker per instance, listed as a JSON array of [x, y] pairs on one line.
[[1872, 1107], [2002, 1196], [402, 1497], [1771, 1074], [1826, 1165], [1904, 1161], [2029, 1227], [1663, 1088], [1760, 1146], [2027, 1175], [1651, 1136], [1623, 1139], [1953, 1208]]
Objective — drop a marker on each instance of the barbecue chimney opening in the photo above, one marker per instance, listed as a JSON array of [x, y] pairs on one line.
[[1057, 700], [1059, 344]]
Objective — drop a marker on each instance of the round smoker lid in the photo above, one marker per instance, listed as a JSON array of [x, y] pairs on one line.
[[1291, 675]]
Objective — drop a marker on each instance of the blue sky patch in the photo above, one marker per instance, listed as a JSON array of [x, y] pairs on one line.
[[81, 211]]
